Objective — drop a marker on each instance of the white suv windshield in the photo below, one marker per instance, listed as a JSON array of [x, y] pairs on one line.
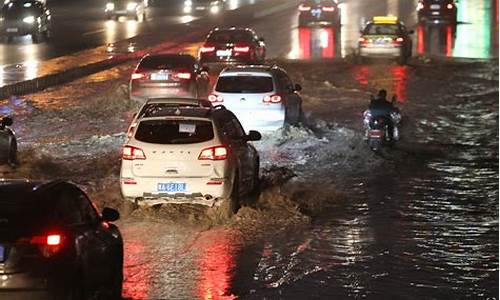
[[174, 131], [245, 84]]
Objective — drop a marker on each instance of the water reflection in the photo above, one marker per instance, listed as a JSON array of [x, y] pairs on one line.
[[392, 78], [435, 40], [315, 42]]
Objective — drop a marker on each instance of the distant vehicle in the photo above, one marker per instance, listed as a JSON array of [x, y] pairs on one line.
[[437, 11], [8, 142], [212, 7], [28, 17], [55, 245], [319, 12], [169, 75], [263, 98], [197, 155], [126, 8], [387, 37], [232, 46]]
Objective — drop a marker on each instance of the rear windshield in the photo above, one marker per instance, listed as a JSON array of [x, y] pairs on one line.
[[230, 37], [21, 211], [382, 29], [244, 84], [167, 62], [174, 131]]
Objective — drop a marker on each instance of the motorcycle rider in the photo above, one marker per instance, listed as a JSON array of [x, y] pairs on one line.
[[381, 107]]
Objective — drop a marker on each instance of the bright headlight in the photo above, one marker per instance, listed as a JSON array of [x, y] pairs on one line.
[[29, 20], [110, 6], [214, 9], [188, 3], [131, 5]]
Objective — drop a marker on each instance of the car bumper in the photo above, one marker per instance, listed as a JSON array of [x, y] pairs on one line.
[[17, 30], [324, 19], [232, 60], [380, 51], [121, 13], [198, 191], [432, 17], [141, 94]]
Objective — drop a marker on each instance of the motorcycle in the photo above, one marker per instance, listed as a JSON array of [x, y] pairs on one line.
[[8, 142], [377, 129]]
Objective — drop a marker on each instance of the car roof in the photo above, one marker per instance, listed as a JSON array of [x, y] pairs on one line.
[[179, 101], [23, 188], [250, 69]]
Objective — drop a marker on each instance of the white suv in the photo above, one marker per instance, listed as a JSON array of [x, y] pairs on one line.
[[263, 98], [179, 154]]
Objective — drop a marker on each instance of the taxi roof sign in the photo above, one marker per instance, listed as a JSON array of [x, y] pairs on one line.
[[385, 20]]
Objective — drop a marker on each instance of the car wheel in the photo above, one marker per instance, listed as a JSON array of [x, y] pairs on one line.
[[116, 288], [12, 160], [231, 205], [292, 114]]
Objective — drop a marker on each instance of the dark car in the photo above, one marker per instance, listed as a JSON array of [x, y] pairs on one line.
[[126, 8], [168, 75], [55, 245], [233, 46], [28, 17], [212, 7], [319, 12], [8, 142], [437, 11]]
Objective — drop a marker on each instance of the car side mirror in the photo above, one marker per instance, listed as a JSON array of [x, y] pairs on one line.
[[110, 215], [298, 87], [7, 121], [253, 136]]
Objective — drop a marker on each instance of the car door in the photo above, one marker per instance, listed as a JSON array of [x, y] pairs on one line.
[[233, 137], [287, 89], [249, 156], [90, 239]]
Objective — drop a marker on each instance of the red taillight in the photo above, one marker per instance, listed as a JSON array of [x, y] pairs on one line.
[[132, 153], [207, 48], [398, 40], [241, 48], [362, 41], [272, 99], [183, 75], [214, 153], [138, 76], [449, 6], [215, 98], [49, 244], [304, 7], [328, 8]]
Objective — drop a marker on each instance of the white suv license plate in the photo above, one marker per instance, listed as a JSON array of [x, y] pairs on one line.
[[172, 187], [12, 29], [226, 52], [159, 76], [435, 6]]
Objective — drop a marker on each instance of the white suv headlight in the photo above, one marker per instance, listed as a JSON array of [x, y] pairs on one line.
[[29, 20], [131, 5], [110, 6]]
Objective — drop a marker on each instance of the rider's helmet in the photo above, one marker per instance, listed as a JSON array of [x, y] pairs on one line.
[[382, 94]]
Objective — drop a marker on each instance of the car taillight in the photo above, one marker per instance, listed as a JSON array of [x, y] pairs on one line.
[[272, 99], [215, 98], [214, 153], [183, 75], [304, 7], [398, 40], [241, 48], [48, 244], [328, 8], [207, 49], [137, 76], [132, 153], [363, 41], [449, 6]]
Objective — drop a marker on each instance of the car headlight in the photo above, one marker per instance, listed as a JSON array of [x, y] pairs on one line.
[[110, 6], [188, 3], [29, 20], [131, 5]]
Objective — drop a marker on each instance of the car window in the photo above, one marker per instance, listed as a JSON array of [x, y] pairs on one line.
[[166, 62], [244, 84], [174, 131], [67, 209], [382, 29], [230, 36], [230, 127], [88, 212]]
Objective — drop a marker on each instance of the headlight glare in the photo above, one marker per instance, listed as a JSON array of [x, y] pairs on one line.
[[29, 20], [131, 5], [110, 6]]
